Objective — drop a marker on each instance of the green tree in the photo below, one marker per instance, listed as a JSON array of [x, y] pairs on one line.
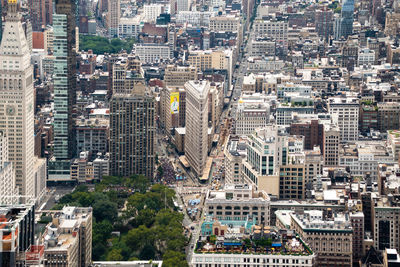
[[105, 209], [169, 217], [81, 188], [145, 217], [135, 203], [140, 183], [115, 255], [160, 171], [137, 238], [147, 253], [174, 259], [102, 231], [213, 239], [101, 45], [98, 251]]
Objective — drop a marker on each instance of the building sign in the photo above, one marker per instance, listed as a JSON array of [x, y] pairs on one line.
[[175, 103]]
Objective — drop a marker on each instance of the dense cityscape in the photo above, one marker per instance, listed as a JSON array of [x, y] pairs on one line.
[[212, 133]]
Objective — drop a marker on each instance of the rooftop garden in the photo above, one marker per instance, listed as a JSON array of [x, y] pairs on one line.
[[261, 246]]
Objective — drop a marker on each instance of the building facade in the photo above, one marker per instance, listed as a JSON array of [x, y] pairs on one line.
[[40, 12], [267, 150], [345, 113], [196, 139], [331, 145], [234, 154], [344, 24], [329, 235], [7, 172], [132, 133], [312, 131], [292, 182], [113, 17], [17, 231], [68, 238], [153, 52], [64, 78], [179, 75], [274, 29], [17, 100], [92, 135], [237, 202], [385, 224], [388, 116], [252, 112]]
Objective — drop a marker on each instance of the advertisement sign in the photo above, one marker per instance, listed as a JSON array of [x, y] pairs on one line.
[[175, 103]]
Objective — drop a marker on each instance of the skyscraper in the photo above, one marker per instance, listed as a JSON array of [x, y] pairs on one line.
[[64, 86], [344, 23], [64, 78], [323, 22], [114, 14], [132, 122], [16, 99], [132, 130], [196, 138], [41, 13]]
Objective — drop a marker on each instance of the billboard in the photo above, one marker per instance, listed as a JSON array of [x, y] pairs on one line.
[[174, 103]]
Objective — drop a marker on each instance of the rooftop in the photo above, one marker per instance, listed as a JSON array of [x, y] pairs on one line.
[[200, 87], [244, 237], [316, 220]]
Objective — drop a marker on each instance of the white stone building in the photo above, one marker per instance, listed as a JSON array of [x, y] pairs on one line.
[[345, 113], [152, 52], [130, 27], [152, 11], [234, 154], [267, 150], [17, 100], [366, 57], [236, 202], [275, 29], [195, 18], [253, 112], [262, 47], [227, 23]]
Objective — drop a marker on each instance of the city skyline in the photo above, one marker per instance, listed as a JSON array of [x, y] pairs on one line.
[[199, 133]]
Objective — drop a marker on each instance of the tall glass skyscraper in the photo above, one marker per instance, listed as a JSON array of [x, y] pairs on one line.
[[64, 78], [344, 24], [64, 88]]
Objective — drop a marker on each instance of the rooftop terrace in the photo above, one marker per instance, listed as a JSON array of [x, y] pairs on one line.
[[244, 237]]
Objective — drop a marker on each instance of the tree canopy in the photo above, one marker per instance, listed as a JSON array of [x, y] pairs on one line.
[[101, 45], [144, 215]]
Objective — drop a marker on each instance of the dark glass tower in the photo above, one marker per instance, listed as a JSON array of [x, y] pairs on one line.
[[64, 78], [64, 89], [344, 24]]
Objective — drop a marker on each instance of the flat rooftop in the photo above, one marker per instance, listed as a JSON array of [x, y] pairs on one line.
[[244, 237]]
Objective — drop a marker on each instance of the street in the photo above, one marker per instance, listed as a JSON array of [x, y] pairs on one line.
[[54, 194], [217, 152]]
